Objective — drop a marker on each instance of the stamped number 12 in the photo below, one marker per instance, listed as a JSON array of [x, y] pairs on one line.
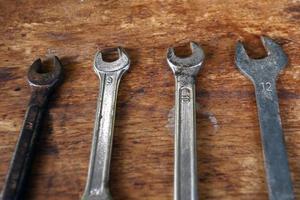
[[267, 86]]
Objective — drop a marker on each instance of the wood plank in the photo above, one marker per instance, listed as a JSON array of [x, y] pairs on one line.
[[230, 163]]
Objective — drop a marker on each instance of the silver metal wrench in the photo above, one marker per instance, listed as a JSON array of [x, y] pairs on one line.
[[185, 71], [263, 73], [110, 73]]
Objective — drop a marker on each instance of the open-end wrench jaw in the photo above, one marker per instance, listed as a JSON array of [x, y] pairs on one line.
[[37, 78], [271, 65], [184, 65], [101, 66]]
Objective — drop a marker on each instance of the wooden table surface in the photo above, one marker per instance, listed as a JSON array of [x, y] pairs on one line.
[[230, 160]]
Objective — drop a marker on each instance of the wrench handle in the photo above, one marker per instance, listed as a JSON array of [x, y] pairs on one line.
[[98, 175], [22, 157], [185, 184], [275, 155]]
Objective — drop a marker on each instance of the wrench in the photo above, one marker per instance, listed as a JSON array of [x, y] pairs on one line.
[[42, 85], [185, 169], [263, 73], [110, 74]]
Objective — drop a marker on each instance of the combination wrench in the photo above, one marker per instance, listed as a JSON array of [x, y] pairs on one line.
[[110, 73], [263, 73], [185, 168], [42, 85]]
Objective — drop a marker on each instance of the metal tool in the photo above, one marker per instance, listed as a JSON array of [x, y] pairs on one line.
[[263, 73], [110, 74], [42, 85], [185, 71]]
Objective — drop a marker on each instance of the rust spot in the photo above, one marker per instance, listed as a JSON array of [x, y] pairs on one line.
[[282, 41], [7, 74], [59, 36], [17, 89], [295, 8], [294, 11], [139, 184], [285, 94], [141, 12], [49, 150], [140, 91]]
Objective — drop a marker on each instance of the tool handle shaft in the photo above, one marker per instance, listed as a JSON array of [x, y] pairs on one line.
[[98, 176], [275, 156], [185, 184], [22, 157]]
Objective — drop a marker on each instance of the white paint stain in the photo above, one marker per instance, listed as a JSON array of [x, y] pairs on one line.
[[213, 120], [171, 120], [50, 52], [296, 75]]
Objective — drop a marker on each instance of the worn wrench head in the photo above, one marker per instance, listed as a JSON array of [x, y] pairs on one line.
[[122, 63], [37, 78], [189, 65], [257, 69]]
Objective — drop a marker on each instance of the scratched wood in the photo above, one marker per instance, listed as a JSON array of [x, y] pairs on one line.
[[230, 162]]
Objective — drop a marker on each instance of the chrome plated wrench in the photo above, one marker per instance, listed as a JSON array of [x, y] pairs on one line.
[[263, 73], [185, 172], [110, 73]]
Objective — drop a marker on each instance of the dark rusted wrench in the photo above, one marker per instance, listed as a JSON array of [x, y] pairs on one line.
[[42, 84]]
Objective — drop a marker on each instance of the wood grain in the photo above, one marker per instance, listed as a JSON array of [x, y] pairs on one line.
[[230, 163]]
